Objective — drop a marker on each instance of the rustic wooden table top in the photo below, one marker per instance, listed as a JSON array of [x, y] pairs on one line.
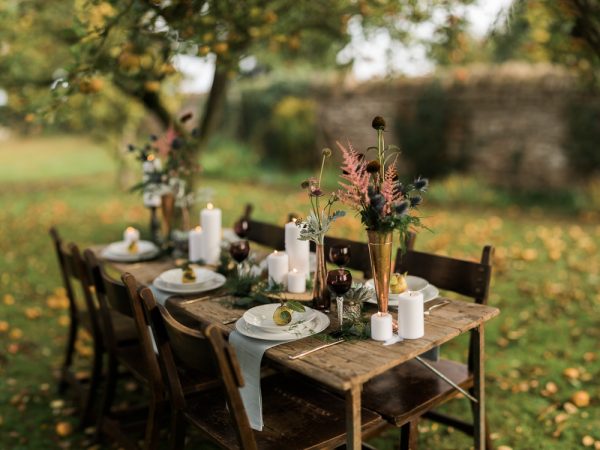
[[342, 366]]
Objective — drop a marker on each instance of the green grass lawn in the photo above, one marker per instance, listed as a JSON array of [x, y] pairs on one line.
[[546, 282]]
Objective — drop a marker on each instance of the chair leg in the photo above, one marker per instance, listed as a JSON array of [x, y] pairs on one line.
[[108, 396], [479, 417], [409, 435], [152, 436], [177, 432], [89, 400], [69, 351]]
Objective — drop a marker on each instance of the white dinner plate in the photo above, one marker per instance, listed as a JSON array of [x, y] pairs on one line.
[[215, 282], [261, 317], [174, 278], [117, 251], [429, 293], [320, 323]]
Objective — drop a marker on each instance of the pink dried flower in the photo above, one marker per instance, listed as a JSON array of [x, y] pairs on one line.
[[388, 187], [355, 191]]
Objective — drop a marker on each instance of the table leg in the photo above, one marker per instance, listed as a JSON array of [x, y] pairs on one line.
[[353, 418], [479, 388]]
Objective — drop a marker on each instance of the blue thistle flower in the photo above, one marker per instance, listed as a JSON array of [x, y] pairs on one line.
[[415, 201], [177, 143], [402, 207], [421, 184]]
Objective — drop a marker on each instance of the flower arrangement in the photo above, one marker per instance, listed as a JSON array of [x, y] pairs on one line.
[[168, 160], [319, 221], [168, 163], [371, 187]]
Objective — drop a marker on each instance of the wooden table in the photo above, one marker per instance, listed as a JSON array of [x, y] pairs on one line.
[[346, 366]]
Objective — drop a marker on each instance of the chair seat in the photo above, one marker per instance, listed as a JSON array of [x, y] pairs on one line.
[[296, 415], [124, 326], [412, 389]]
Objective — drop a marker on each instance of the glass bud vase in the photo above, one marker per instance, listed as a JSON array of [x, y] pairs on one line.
[[167, 206], [320, 293]]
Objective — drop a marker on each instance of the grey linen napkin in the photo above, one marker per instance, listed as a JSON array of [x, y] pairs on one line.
[[249, 353]]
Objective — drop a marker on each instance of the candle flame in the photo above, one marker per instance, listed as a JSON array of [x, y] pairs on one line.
[[275, 252], [295, 270], [150, 158], [209, 205], [198, 228], [294, 219], [130, 229]]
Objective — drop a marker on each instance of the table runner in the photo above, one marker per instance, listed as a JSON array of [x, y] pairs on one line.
[[249, 353]]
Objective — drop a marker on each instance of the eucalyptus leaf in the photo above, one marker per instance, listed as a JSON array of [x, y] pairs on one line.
[[295, 306]]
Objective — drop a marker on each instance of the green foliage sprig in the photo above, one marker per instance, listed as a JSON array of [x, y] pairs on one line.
[[319, 220]]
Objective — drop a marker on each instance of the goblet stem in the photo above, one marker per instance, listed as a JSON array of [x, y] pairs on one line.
[[340, 309]]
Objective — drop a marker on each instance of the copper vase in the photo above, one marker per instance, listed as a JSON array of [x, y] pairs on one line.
[[380, 252], [320, 293], [167, 206]]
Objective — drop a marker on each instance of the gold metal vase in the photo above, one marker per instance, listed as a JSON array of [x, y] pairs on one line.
[[380, 252]]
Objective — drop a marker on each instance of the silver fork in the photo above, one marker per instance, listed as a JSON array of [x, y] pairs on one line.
[[308, 352], [437, 305]]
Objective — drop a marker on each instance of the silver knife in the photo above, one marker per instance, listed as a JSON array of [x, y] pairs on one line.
[[308, 352]]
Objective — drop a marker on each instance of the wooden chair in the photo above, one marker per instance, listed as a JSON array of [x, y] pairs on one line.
[[122, 298], [296, 414], [410, 391], [83, 315]]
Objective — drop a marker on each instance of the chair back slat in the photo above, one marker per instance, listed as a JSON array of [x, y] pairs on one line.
[[266, 234], [143, 334], [471, 279], [66, 270]]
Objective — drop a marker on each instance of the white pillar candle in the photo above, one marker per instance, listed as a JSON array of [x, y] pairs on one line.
[[210, 221], [277, 267], [296, 282], [298, 251], [411, 321], [381, 327], [131, 235], [196, 244]]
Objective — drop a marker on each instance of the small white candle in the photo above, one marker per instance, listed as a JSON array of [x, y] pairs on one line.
[[196, 245], [296, 282], [131, 235], [210, 220], [298, 251], [149, 165], [381, 327], [277, 267], [411, 321]]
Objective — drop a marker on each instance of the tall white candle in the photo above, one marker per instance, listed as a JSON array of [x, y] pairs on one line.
[[196, 244], [210, 220], [131, 235], [277, 267], [296, 282], [411, 322], [298, 251], [381, 327]]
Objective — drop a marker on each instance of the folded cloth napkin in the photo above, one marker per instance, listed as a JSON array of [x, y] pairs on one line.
[[249, 353]]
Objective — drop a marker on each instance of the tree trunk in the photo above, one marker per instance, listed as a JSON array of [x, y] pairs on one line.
[[213, 108]]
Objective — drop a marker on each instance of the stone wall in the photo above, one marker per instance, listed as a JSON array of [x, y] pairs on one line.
[[511, 118]]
